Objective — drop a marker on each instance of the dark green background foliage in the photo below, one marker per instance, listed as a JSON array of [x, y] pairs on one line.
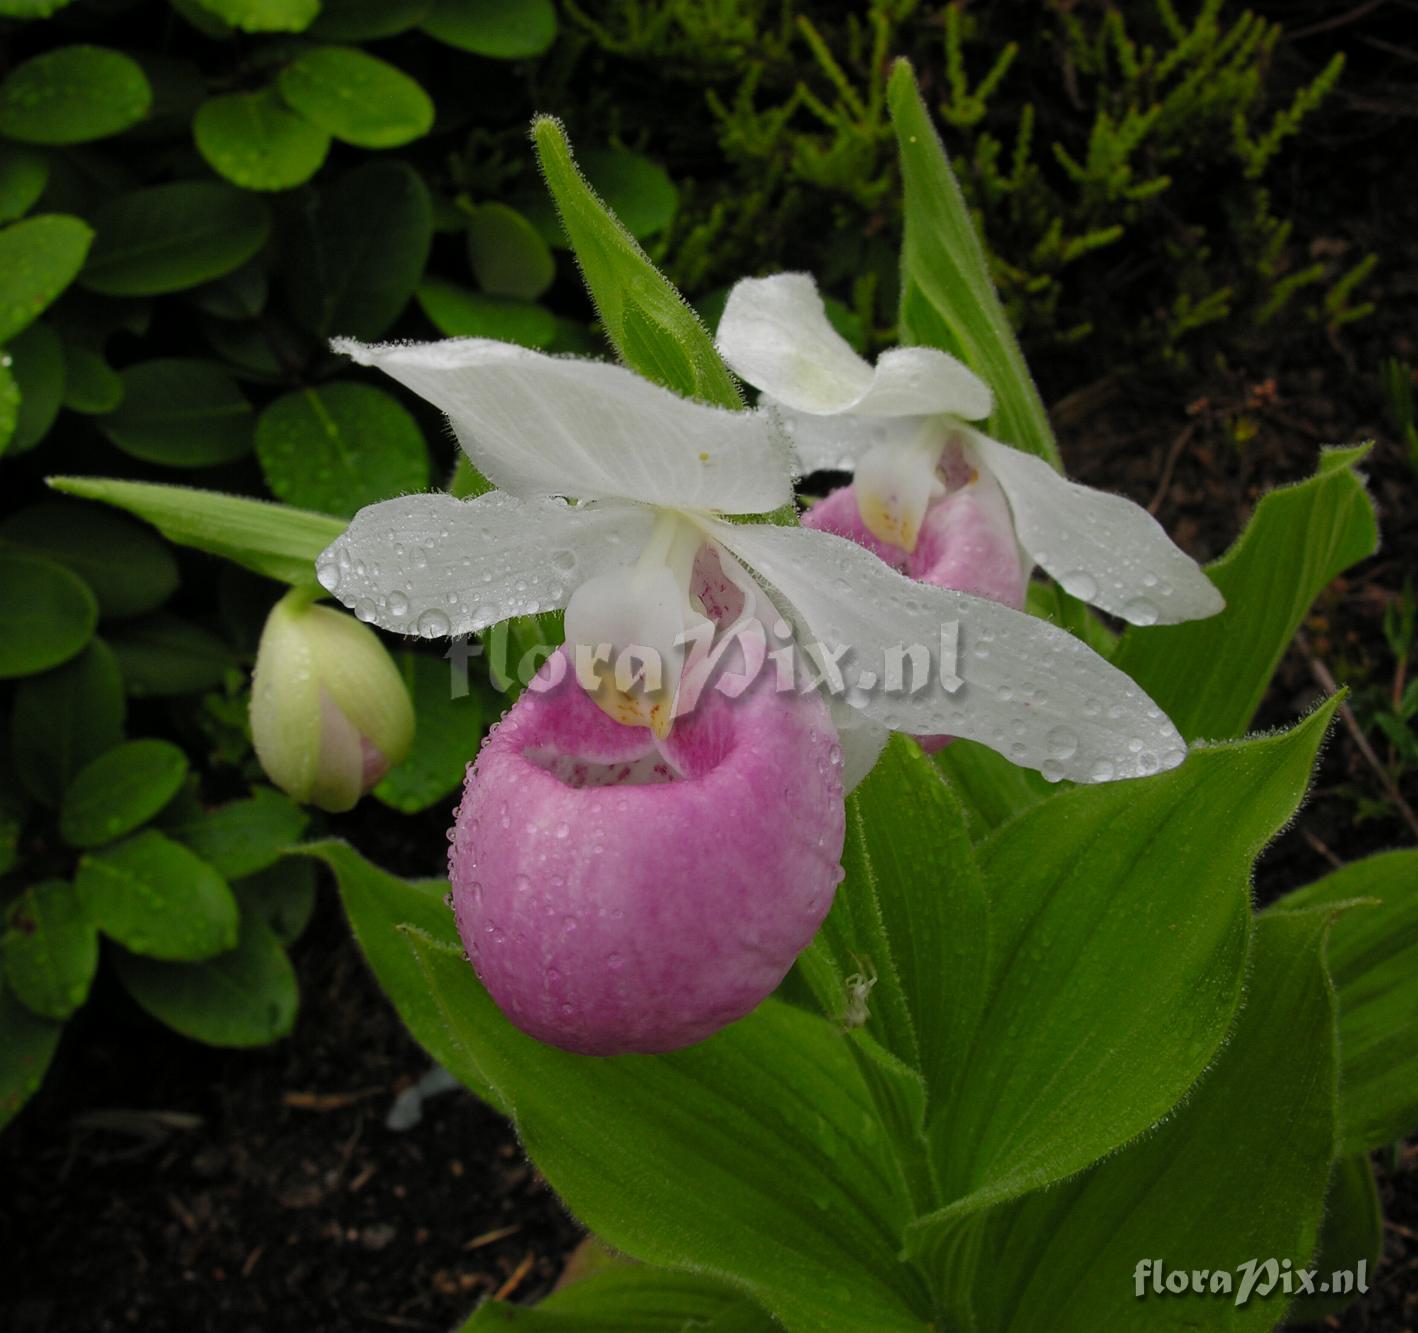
[[196, 195]]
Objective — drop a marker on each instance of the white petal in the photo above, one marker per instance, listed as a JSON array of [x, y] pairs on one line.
[[862, 741], [545, 425], [838, 443], [1101, 548], [775, 333], [1030, 690], [437, 566], [894, 485]]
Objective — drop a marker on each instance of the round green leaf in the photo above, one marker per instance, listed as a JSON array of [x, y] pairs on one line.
[[368, 20], [508, 254], [128, 569], [66, 717], [252, 140], [23, 176], [156, 898], [39, 258], [282, 895], [245, 997], [9, 405], [241, 295], [354, 259], [46, 614], [637, 191], [164, 655], [31, 9], [50, 948], [73, 95], [29, 1046], [37, 363], [91, 385], [181, 413], [340, 447], [264, 15], [241, 837], [169, 237], [119, 791], [206, 22], [503, 29], [458, 313], [356, 97]]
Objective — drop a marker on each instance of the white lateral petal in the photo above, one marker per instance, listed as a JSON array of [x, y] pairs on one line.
[[862, 741], [775, 333], [838, 443], [546, 425], [435, 566], [1030, 690], [1101, 548]]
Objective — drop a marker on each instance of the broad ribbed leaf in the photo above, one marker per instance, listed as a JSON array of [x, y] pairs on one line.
[[1119, 921], [269, 539], [1373, 958], [1238, 1174], [648, 322], [948, 298], [121, 789], [50, 949], [445, 739]]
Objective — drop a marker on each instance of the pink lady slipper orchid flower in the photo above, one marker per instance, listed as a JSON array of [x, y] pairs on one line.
[[613, 834], [932, 495]]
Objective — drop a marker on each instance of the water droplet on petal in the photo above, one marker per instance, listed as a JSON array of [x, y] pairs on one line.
[[434, 624], [328, 572], [1080, 584], [1139, 611], [365, 609], [397, 604], [1062, 743], [1102, 771]]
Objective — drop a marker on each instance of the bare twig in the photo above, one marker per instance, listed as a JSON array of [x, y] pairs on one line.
[[518, 1275], [1169, 466], [1336, 20], [1327, 682]]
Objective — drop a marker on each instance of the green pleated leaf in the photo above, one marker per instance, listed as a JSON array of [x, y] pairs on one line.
[[269, 539], [64, 718], [119, 791], [508, 256], [246, 996], [50, 949], [1373, 958], [1351, 1240], [948, 297], [181, 413], [23, 176], [255, 142], [163, 655], [358, 98], [39, 258], [1209, 676], [72, 95], [445, 739], [502, 29], [912, 913], [340, 447], [756, 1154], [282, 895], [241, 837], [46, 615], [368, 20], [648, 322], [37, 363], [264, 15], [1238, 1174], [359, 250], [459, 313], [29, 1046], [128, 570], [1119, 916], [156, 898], [630, 1300], [377, 905], [170, 237]]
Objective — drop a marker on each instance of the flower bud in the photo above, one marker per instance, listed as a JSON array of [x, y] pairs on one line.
[[329, 711]]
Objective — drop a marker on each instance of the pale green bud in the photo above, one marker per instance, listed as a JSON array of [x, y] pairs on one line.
[[329, 711]]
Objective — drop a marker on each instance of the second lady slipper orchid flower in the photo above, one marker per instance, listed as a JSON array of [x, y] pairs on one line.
[[931, 494], [652, 474]]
